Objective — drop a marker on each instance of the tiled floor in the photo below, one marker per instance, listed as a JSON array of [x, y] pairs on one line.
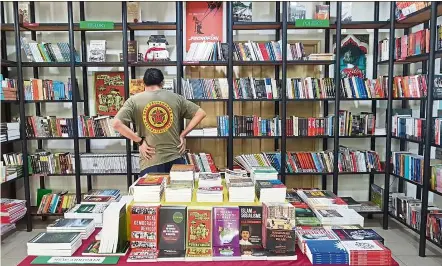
[[403, 243]]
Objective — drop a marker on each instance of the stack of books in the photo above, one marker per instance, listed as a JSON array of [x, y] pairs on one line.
[[367, 252], [270, 190], [47, 52], [12, 210], [83, 226], [149, 188], [263, 173], [87, 211], [210, 194], [182, 172], [240, 189], [339, 216], [321, 199], [204, 132], [9, 89], [357, 234], [326, 252], [38, 90], [96, 126], [5, 228], [209, 179], [9, 131], [205, 88], [179, 191], [56, 203], [54, 244], [97, 199], [207, 51], [108, 163], [114, 193], [202, 162], [324, 56], [319, 233]]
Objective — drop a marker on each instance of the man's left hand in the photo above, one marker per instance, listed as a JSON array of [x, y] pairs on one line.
[[182, 145]]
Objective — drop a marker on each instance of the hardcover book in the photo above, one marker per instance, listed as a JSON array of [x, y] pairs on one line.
[[250, 225], [225, 226], [109, 92], [132, 51], [172, 230]]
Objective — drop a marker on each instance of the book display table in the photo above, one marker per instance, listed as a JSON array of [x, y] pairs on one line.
[[301, 261]]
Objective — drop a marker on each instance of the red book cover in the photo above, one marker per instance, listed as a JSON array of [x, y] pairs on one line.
[[298, 156], [150, 181], [90, 128], [109, 92], [291, 162], [309, 127], [144, 227], [353, 158], [264, 52], [211, 163], [427, 40], [310, 161]]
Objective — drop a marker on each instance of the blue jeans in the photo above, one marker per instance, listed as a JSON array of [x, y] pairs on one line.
[[161, 168]]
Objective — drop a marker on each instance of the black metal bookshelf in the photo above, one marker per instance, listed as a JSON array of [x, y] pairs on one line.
[[281, 27]]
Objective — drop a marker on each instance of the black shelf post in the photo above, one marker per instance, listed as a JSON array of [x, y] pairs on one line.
[[389, 114], [277, 69], [284, 94], [375, 74], [126, 90], [326, 75], [337, 78], [179, 53], [428, 131], [85, 85], [24, 145], [74, 103], [230, 82]]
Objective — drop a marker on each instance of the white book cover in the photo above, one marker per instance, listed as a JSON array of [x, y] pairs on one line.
[[361, 245]]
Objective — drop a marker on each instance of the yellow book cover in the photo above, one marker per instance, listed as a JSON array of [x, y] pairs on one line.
[[136, 86]]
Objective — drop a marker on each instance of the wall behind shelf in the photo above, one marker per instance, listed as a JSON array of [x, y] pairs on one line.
[[355, 186]]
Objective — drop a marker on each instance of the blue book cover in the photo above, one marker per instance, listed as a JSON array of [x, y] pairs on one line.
[[318, 247]]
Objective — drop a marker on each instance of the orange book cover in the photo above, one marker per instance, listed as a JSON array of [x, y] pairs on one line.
[[150, 181], [109, 92], [204, 22]]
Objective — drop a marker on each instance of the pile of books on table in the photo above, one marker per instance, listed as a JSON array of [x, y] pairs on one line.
[[270, 190], [326, 252], [87, 211], [179, 191], [54, 244], [83, 226], [12, 210], [367, 252], [240, 189], [210, 188], [182, 172], [149, 188], [263, 173]]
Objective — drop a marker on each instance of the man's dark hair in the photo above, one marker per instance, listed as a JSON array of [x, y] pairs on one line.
[[153, 76]]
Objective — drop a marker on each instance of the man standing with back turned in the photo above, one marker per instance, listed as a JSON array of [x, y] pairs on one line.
[[156, 114]]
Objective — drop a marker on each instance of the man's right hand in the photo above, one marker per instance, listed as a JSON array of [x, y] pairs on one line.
[[146, 151]]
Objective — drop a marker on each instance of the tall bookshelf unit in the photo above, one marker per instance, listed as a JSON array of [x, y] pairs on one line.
[[281, 28]]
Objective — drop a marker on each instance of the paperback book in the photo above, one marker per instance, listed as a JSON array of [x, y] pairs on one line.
[[172, 232], [199, 233]]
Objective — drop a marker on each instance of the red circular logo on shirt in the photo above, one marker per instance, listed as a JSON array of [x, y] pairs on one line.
[[157, 117]]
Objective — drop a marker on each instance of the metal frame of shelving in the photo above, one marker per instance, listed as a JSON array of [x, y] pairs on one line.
[[281, 27]]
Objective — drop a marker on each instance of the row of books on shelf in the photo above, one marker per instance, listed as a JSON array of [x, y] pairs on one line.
[[203, 162], [407, 127], [250, 51], [56, 203], [350, 160], [349, 125], [9, 89], [12, 210], [10, 172], [408, 165], [408, 210], [51, 126], [415, 43], [9, 131], [47, 52], [437, 139], [405, 9], [45, 89]]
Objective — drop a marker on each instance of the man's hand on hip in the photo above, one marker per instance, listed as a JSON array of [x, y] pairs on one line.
[[182, 145], [146, 151]]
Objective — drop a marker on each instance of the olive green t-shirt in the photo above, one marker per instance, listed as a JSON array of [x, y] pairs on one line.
[[157, 115]]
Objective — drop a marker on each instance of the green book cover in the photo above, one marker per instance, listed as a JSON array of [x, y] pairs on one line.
[[85, 208], [46, 260], [40, 193], [307, 221], [57, 238]]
